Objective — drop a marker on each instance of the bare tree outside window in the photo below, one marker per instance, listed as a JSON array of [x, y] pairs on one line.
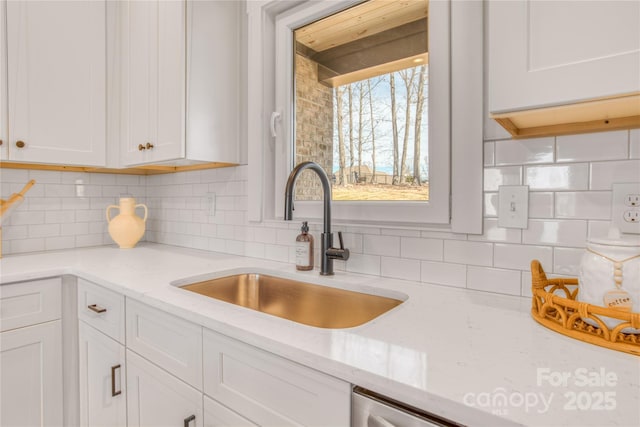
[[375, 130]]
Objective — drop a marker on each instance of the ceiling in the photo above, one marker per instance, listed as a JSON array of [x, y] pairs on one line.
[[372, 38]]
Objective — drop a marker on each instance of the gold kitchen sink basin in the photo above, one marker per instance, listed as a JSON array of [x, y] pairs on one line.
[[314, 305]]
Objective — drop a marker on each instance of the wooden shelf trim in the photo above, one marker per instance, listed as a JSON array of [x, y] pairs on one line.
[[616, 113], [140, 170]]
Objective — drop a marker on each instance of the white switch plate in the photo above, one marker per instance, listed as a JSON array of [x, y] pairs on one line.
[[513, 206], [625, 207]]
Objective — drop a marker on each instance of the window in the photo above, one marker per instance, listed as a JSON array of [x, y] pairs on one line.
[[361, 85], [446, 147]]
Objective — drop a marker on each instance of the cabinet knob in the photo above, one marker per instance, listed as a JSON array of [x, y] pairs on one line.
[[0, 142], [141, 147], [149, 146], [20, 144]]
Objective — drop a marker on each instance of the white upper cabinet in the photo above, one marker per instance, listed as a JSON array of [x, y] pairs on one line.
[[545, 53], [563, 53], [56, 73], [180, 81]]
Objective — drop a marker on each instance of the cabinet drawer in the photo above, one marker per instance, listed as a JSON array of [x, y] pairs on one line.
[[28, 303], [168, 341], [269, 390], [101, 308]]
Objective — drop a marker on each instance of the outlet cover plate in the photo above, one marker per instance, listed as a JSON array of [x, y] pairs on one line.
[[513, 206], [624, 205]]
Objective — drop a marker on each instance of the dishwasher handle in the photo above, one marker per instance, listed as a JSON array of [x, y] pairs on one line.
[[378, 421]]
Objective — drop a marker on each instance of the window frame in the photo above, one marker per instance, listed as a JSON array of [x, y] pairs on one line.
[[457, 208]]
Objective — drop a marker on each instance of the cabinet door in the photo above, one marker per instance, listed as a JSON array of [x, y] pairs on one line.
[[57, 81], [4, 145], [102, 370], [157, 398], [217, 415], [544, 53], [31, 381], [153, 81]]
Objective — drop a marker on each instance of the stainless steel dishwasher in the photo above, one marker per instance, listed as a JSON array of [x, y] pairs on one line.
[[370, 409]]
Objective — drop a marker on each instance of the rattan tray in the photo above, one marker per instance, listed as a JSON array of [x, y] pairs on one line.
[[555, 306]]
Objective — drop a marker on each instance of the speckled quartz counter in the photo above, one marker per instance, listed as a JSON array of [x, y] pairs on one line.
[[472, 357]]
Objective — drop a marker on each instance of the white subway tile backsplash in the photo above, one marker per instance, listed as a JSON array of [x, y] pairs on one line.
[[557, 177], [45, 177], [59, 242], [494, 280], [634, 144], [21, 217], [556, 233], [400, 268], [584, 205], [44, 230], [365, 264], [471, 253], [588, 147], [541, 204], [519, 257], [566, 261], [598, 229], [569, 199], [27, 245], [525, 289], [444, 274], [421, 248], [491, 204], [493, 233], [59, 217], [495, 177], [381, 245], [603, 174], [526, 151]]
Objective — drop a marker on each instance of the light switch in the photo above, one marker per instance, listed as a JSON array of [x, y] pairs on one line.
[[513, 206]]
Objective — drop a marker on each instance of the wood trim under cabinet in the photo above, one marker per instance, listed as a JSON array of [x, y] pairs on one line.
[[617, 113], [140, 170]]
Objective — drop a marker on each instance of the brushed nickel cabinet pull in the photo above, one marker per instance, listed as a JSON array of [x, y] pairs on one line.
[[96, 308], [20, 144], [188, 420], [113, 381]]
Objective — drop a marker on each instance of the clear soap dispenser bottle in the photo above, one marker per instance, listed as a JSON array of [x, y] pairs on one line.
[[304, 249]]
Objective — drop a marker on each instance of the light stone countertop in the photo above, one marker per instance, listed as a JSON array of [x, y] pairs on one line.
[[473, 357]]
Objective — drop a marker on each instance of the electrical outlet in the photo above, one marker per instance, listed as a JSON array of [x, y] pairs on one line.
[[625, 207], [632, 200], [631, 216]]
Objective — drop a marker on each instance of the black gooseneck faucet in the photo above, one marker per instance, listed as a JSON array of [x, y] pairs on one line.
[[329, 253]]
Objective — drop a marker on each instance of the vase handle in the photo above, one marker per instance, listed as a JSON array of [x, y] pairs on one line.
[[109, 209], [146, 212]]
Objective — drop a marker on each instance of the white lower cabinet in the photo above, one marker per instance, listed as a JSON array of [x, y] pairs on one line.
[[216, 415], [31, 366], [31, 354], [269, 390], [102, 379], [157, 398], [180, 374]]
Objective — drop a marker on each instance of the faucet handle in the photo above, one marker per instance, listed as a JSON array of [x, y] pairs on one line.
[[338, 253]]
